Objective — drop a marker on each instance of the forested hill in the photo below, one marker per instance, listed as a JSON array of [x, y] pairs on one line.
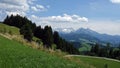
[[49, 38]]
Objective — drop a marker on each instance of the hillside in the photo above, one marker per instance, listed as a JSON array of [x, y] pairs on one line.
[[59, 34], [16, 55], [16, 52], [91, 36], [49, 38], [7, 29], [21, 54]]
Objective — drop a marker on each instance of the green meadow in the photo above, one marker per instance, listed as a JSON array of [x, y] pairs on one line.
[[14, 54]]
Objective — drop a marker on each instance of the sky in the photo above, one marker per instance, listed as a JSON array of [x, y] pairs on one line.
[[102, 16]]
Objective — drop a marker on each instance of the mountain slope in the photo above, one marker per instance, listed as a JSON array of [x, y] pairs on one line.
[[115, 40], [92, 36], [16, 55], [15, 52], [8, 29]]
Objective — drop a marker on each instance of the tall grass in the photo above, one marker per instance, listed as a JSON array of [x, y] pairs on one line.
[[16, 55]]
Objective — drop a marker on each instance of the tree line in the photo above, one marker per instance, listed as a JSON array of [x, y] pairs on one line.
[[49, 37], [105, 51]]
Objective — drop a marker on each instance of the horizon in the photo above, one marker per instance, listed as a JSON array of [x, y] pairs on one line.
[[101, 16], [70, 30]]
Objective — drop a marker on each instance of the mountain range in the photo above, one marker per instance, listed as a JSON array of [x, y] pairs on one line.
[[88, 35]]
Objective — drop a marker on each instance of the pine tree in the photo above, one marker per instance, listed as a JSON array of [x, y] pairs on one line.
[[27, 32], [56, 38], [39, 32], [6, 20], [48, 36]]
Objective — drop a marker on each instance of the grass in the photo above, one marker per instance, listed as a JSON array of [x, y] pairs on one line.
[[85, 47], [99, 62], [16, 55], [8, 29]]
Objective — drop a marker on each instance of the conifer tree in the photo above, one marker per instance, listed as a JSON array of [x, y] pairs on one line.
[[27, 32], [48, 36]]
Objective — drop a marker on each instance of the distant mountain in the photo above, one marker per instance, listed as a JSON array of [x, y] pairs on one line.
[[114, 40], [91, 36]]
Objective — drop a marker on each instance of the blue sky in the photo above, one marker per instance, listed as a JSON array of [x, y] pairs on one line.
[[89, 8], [102, 16]]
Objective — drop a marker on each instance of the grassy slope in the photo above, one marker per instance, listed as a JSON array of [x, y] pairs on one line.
[[7, 29], [85, 47], [99, 62], [15, 55]]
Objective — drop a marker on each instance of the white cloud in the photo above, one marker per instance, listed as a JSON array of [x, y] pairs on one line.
[[65, 18], [15, 7], [115, 1], [15, 13], [34, 8], [52, 20], [38, 21], [109, 27], [65, 30], [106, 26], [31, 1], [39, 8], [34, 18]]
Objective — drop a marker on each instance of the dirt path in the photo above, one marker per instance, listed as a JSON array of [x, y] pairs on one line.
[[93, 57]]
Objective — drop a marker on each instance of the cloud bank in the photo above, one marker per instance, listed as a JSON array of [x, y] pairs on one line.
[[115, 1], [20, 7], [65, 18], [15, 7]]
